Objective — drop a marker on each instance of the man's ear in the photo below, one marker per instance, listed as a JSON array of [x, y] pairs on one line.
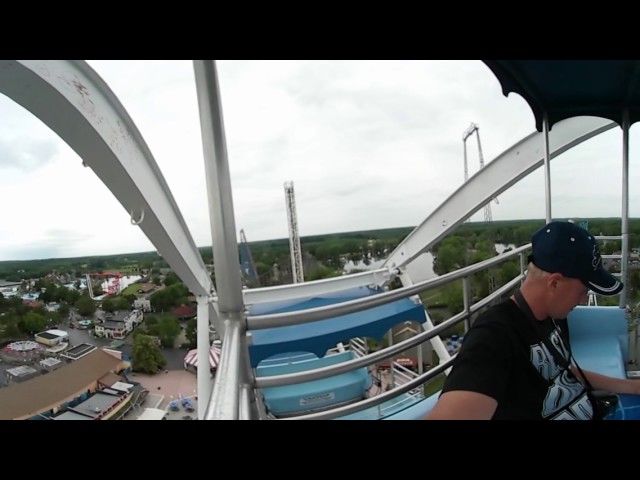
[[553, 279]]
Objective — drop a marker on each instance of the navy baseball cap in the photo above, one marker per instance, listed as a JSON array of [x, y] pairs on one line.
[[566, 248]]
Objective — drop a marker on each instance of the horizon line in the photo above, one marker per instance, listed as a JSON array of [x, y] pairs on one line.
[[479, 222]]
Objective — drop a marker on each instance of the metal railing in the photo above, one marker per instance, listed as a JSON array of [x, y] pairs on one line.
[[226, 389], [257, 322], [321, 313]]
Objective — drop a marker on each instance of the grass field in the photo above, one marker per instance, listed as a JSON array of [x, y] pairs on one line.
[[131, 289]]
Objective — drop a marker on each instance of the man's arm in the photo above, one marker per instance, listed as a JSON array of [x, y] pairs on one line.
[[610, 384], [463, 405]]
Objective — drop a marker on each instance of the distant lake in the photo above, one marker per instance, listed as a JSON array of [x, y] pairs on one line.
[[419, 270], [501, 247]]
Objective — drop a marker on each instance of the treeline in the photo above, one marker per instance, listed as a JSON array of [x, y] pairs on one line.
[[474, 242], [518, 232], [326, 249], [325, 255], [16, 270]]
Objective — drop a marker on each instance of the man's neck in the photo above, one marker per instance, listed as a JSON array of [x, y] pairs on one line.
[[535, 301]]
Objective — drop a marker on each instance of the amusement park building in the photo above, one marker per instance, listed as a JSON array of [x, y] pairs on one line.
[[50, 393]]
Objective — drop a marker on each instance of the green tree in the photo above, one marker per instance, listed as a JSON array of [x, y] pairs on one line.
[[450, 255], [168, 330], [146, 265], [147, 357], [53, 318], [508, 271], [169, 297], [70, 296], [64, 309], [116, 303], [634, 280], [98, 264], [49, 293], [108, 305], [262, 269], [122, 303], [10, 331], [323, 272], [170, 279], [162, 300], [9, 325], [453, 297], [485, 248], [192, 332], [33, 323], [86, 307], [607, 248], [17, 306]]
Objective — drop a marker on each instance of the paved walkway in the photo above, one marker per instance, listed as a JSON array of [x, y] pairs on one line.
[[171, 385], [163, 388]]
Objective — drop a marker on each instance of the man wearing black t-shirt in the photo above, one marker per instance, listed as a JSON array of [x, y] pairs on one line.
[[515, 361]]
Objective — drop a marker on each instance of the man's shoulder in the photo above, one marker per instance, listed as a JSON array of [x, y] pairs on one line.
[[501, 312], [498, 322], [504, 307]]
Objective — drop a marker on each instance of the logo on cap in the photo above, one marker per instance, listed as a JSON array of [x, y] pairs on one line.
[[596, 258]]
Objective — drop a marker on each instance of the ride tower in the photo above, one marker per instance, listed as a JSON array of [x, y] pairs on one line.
[[248, 267], [488, 218], [294, 237]]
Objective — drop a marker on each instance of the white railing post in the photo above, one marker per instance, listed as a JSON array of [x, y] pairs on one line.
[[547, 168], [523, 265], [204, 382], [391, 360], [231, 372], [224, 402], [466, 298], [624, 263]]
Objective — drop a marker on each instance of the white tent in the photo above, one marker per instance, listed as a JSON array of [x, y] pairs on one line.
[[191, 358]]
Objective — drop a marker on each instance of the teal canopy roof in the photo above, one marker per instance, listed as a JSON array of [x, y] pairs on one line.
[[571, 88]]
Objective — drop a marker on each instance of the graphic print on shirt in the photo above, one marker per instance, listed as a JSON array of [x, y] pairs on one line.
[[566, 398]]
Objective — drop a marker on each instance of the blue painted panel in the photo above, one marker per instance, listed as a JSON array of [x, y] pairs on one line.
[[599, 339], [316, 394], [319, 336]]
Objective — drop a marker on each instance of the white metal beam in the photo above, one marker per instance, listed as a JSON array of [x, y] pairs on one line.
[[221, 213], [72, 100], [298, 291]]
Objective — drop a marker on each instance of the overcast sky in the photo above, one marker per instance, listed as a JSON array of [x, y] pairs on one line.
[[368, 145]]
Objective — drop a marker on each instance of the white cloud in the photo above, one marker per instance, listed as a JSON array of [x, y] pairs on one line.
[[368, 144]]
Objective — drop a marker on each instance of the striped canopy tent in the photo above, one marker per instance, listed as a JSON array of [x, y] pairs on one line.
[[191, 358]]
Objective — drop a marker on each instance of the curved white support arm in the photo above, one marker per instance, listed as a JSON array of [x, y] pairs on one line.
[[498, 175], [72, 100]]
